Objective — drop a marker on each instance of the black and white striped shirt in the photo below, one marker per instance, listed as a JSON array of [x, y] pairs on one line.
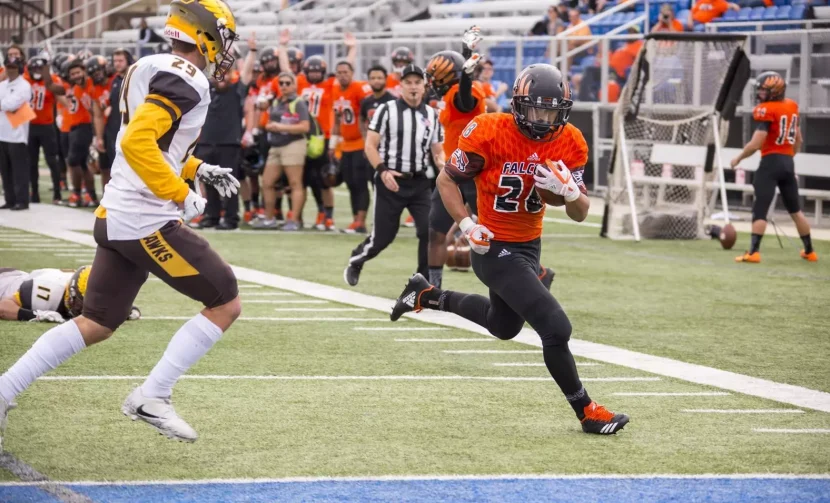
[[406, 136]]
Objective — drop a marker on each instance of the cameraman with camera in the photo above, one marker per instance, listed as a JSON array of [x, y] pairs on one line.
[[667, 21]]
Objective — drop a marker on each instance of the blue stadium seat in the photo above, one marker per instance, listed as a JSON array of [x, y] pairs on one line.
[[757, 14], [729, 16], [683, 16], [783, 12], [770, 13], [744, 14], [683, 5], [798, 11], [700, 28]]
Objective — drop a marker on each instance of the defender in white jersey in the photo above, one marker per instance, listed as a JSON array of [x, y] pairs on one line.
[[164, 101]]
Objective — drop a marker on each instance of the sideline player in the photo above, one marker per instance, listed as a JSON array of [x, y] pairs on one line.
[[46, 295], [778, 137], [164, 101], [506, 156], [401, 58], [42, 134]]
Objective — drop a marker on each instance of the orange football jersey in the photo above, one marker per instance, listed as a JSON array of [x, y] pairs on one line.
[[80, 103], [455, 121], [508, 203], [782, 117], [347, 104], [43, 100], [320, 98], [487, 87], [393, 84]]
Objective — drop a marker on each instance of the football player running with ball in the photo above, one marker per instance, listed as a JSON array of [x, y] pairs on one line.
[[519, 162], [164, 102], [778, 137]]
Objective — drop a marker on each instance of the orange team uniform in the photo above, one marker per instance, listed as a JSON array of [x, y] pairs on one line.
[[265, 87], [393, 84], [622, 59], [80, 102], [502, 160], [347, 103], [782, 119], [320, 98], [42, 100], [454, 121], [489, 92], [705, 11]]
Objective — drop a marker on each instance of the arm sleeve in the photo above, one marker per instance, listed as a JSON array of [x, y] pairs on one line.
[[463, 166], [379, 121], [190, 167], [463, 99], [761, 125], [364, 110]]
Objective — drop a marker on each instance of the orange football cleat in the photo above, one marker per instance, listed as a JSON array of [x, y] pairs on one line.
[[752, 258], [74, 200], [330, 224], [409, 222], [320, 224], [810, 257], [248, 216], [597, 419]]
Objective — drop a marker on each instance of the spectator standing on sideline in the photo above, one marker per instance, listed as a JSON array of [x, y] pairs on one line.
[[380, 94], [492, 90], [146, 36], [402, 136], [574, 39], [121, 61], [622, 59], [288, 124], [15, 92], [13, 50], [705, 11], [667, 21], [219, 144]]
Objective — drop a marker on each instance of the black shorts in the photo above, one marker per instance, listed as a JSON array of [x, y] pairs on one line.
[[775, 170], [510, 272], [439, 218], [313, 174], [175, 254], [43, 136], [80, 138]]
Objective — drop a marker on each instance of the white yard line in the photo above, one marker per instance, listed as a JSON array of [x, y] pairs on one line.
[[268, 294], [388, 478], [743, 411], [569, 236], [646, 393], [578, 364], [571, 222], [399, 329], [300, 378], [31, 248], [59, 220], [266, 318], [463, 339], [76, 254], [249, 286], [788, 430]]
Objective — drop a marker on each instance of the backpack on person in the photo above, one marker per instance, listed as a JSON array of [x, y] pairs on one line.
[[316, 139]]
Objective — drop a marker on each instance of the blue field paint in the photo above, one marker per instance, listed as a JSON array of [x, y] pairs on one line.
[[636, 490], [27, 494]]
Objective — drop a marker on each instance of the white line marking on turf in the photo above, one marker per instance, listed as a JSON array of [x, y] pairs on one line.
[[31, 248], [743, 411], [578, 364], [788, 430], [269, 294], [479, 339], [59, 220], [304, 378], [275, 301], [76, 254], [399, 329], [569, 236], [493, 351], [695, 393], [320, 309], [382, 478], [266, 318], [249, 286], [571, 222], [620, 379]]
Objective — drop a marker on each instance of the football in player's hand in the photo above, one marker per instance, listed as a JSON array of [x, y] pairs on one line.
[[728, 236]]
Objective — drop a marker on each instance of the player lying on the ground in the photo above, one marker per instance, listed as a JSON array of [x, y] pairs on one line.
[[49, 295], [164, 103], [507, 156], [778, 137]]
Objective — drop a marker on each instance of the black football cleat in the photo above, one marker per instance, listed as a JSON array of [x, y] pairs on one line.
[[352, 274], [547, 277], [410, 298], [597, 419]]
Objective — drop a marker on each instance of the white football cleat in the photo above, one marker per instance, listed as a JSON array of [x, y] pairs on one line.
[[5, 407], [158, 413]]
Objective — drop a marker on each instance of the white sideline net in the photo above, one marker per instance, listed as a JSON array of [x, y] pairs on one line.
[[663, 127]]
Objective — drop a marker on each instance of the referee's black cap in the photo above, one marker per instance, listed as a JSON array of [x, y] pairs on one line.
[[412, 69]]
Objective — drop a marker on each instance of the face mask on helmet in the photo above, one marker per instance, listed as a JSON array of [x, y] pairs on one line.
[[541, 122], [224, 58]]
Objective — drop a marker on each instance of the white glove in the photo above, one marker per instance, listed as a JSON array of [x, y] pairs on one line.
[[247, 139], [472, 37], [219, 178], [471, 64], [48, 317], [194, 205], [558, 180], [477, 235]]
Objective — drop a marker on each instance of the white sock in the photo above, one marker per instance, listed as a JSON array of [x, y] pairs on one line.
[[50, 350], [187, 347]]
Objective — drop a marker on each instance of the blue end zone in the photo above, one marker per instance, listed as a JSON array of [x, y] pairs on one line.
[[636, 490]]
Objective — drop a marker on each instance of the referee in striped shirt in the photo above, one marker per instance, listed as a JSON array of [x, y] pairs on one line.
[[402, 136]]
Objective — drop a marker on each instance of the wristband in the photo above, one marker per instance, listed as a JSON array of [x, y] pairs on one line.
[[573, 196], [25, 315], [466, 224], [381, 168], [253, 50]]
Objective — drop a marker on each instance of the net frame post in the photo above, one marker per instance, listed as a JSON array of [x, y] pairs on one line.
[[719, 160], [629, 184]]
